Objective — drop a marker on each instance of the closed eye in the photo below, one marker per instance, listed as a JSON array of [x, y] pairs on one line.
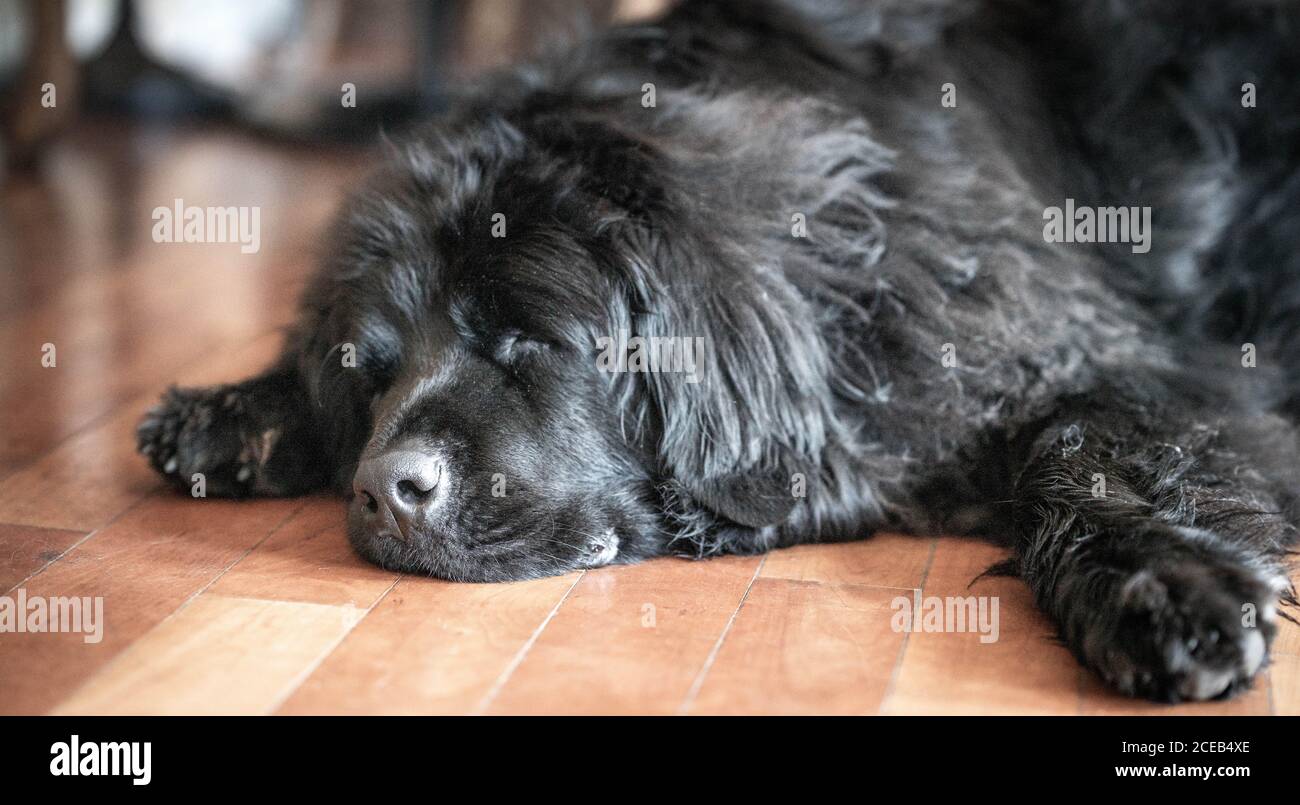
[[513, 347]]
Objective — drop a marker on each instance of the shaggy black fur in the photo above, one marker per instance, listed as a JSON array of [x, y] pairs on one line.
[[923, 360]]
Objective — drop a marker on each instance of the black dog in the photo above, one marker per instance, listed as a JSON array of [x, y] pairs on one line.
[[782, 272]]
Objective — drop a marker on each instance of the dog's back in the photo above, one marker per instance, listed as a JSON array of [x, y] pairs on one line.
[[1192, 109], [1189, 109]]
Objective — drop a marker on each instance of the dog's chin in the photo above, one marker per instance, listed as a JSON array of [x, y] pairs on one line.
[[504, 560]]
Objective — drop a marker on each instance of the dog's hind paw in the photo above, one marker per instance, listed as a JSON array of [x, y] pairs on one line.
[[1189, 631]]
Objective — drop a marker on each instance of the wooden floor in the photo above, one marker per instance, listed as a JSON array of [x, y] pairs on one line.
[[259, 607]]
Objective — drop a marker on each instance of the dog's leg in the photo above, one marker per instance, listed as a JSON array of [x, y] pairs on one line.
[[1157, 543], [251, 438]]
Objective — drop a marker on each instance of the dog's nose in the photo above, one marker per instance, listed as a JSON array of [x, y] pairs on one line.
[[398, 488]]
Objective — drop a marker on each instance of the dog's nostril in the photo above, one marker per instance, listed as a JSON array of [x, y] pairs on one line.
[[410, 492], [399, 487], [368, 500]]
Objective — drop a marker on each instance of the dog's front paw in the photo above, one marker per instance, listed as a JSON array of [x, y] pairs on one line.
[[204, 435], [1187, 631]]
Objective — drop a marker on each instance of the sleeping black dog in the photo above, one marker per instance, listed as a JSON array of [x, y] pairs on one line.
[[765, 273]]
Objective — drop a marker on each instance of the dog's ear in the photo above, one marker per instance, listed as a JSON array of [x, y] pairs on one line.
[[735, 431], [745, 412], [754, 497]]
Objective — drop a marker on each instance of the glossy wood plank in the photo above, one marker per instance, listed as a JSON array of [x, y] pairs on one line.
[[430, 647], [1285, 677], [308, 559], [1288, 637], [1288, 631], [144, 566], [216, 656], [629, 639], [91, 478], [25, 550], [1023, 671], [802, 647], [884, 560]]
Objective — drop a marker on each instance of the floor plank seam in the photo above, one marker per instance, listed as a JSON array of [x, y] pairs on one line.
[[94, 422], [81, 541], [271, 533], [116, 658], [902, 649], [325, 655], [698, 682], [130, 401], [45, 566], [518, 659]]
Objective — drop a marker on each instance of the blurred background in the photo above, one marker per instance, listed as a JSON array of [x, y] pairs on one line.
[[279, 67]]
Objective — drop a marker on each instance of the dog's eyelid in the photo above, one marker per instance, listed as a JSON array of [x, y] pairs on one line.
[[514, 344], [513, 337]]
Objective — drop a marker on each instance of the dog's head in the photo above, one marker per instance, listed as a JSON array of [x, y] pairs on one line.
[[570, 352]]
